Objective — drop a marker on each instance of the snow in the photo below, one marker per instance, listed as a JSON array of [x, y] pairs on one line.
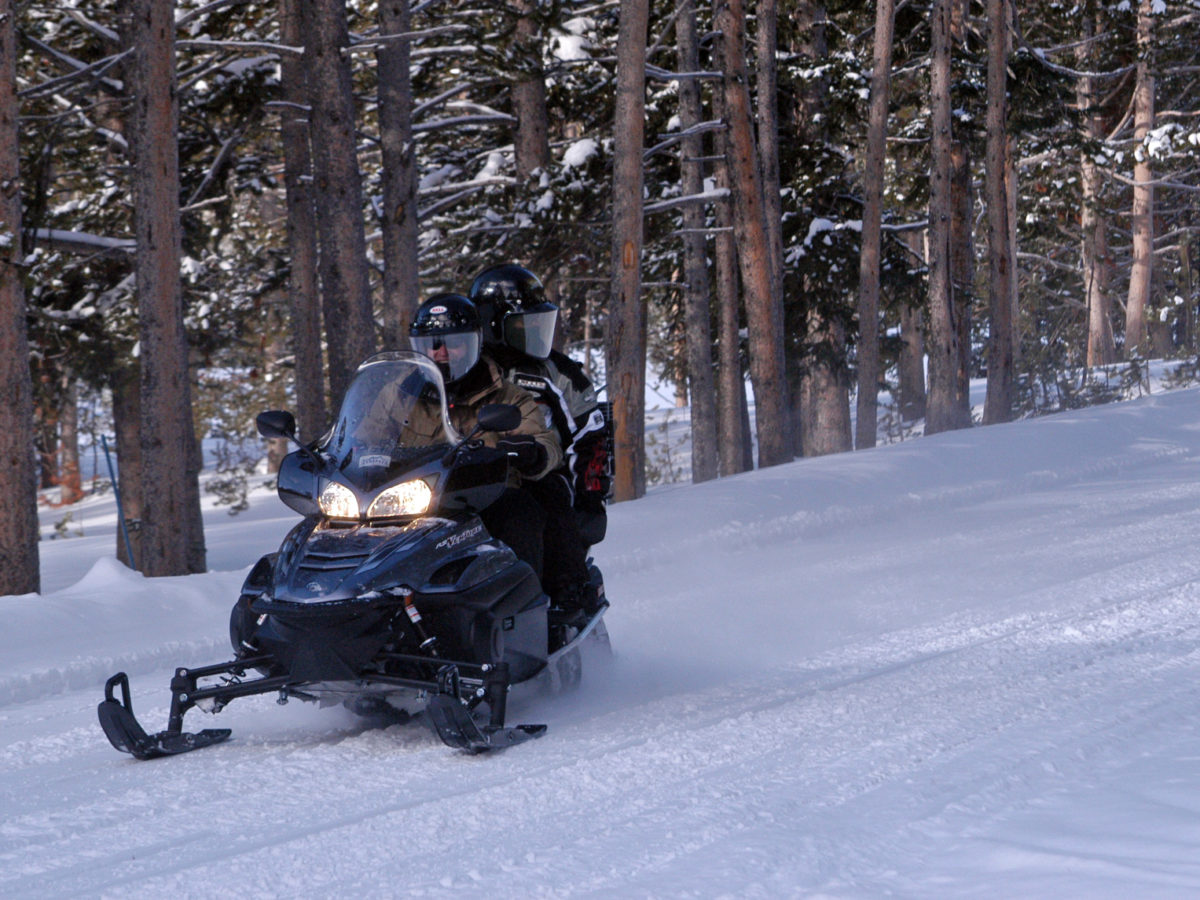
[[962, 665], [580, 152]]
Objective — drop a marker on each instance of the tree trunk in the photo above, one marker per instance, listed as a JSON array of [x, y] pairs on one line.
[[19, 565], [627, 313], [1010, 181], [345, 288], [866, 424], [303, 286], [401, 287], [1189, 296], [68, 442], [912, 364], [1101, 346], [1140, 276], [170, 471], [764, 310], [999, 405], [732, 444], [825, 411], [125, 381], [531, 139], [943, 411], [45, 424], [823, 385], [766, 15], [697, 297], [962, 270]]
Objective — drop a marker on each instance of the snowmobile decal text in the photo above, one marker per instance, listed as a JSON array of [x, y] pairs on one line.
[[462, 537]]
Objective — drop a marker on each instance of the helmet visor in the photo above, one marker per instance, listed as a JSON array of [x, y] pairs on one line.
[[531, 332], [455, 352]]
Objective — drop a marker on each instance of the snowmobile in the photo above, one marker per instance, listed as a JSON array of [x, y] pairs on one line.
[[389, 596]]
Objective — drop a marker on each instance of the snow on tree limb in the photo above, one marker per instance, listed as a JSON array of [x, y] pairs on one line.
[[82, 242]]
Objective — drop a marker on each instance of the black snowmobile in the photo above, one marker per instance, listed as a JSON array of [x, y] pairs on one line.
[[390, 596]]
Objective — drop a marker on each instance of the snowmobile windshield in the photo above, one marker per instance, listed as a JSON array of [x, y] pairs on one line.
[[394, 413]]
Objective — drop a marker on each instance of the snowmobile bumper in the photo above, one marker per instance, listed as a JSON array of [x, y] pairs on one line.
[[123, 731]]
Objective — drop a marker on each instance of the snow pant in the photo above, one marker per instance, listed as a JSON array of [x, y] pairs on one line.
[[565, 550], [517, 519]]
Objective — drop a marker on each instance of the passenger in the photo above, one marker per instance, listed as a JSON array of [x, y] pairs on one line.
[[518, 331]]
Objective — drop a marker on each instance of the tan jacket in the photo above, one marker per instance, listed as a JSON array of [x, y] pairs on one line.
[[464, 411]]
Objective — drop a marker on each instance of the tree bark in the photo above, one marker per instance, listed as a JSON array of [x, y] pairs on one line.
[[867, 415], [999, 404], [733, 438], [1140, 276], [401, 287], [345, 288], [627, 313], [962, 270], [764, 310], [943, 411], [766, 14], [1101, 346], [19, 564], [303, 284], [912, 364], [70, 479], [826, 410], [171, 542], [531, 138], [697, 297], [125, 381]]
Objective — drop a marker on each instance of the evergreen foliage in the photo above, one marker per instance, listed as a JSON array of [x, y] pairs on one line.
[[474, 211]]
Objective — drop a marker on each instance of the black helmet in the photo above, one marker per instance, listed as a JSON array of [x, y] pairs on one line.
[[514, 309], [447, 326]]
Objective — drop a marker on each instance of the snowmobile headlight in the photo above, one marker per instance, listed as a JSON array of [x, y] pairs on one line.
[[410, 498], [338, 502]]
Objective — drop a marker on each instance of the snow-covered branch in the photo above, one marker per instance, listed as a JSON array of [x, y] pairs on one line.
[[76, 66], [904, 226], [704, 197], [660, 74], [436, 124], [82, 242], [104, 33], [95, 70], [382, 40], [222, 157], [206, 44], [676, 137], [472, 185]]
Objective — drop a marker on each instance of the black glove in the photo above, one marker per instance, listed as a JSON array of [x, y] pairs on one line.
[[527, 455]]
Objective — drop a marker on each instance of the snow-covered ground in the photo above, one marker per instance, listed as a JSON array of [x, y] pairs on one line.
[[964, 665]]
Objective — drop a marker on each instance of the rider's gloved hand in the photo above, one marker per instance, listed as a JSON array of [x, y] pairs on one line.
[[527, 455]]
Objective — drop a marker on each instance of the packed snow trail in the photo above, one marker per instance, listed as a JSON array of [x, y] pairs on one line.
[[979, 682]]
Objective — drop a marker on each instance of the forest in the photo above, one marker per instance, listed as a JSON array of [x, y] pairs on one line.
[[845, 210]]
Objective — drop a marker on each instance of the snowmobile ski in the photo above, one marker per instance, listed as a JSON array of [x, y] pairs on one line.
[[123, 731], [452, 719]]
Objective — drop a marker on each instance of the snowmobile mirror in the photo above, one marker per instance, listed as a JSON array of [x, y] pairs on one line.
[[499, 417], [276, 423]]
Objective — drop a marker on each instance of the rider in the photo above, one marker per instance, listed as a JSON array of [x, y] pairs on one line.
[[518, 331], [447, 329]]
